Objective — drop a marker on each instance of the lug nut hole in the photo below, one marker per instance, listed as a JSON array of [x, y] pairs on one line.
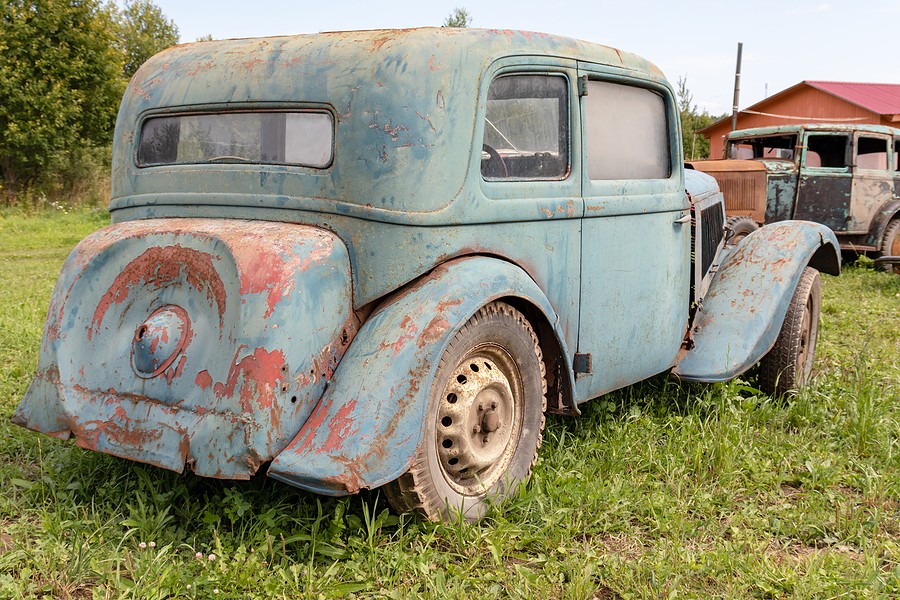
[[447, 443], [474, 367], [462, 379], [451, 398], [453, 461], [446, 421]]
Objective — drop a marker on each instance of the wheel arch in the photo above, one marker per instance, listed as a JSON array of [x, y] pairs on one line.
[[365, 429], [742, 314], [887, 213]]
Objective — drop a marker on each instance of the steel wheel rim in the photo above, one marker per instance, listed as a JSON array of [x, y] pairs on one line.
[[479, 420]]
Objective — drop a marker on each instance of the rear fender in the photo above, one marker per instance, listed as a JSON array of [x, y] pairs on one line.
[[741, 315], [367, 426]]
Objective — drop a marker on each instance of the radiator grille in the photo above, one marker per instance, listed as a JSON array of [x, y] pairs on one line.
[[712, 225], [741, 190]]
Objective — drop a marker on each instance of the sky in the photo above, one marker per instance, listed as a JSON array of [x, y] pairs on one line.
[[784, 42]]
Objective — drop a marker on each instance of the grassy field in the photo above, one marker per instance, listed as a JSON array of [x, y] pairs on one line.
[[658, 491]]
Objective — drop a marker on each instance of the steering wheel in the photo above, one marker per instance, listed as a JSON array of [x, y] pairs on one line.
[[490, 169]]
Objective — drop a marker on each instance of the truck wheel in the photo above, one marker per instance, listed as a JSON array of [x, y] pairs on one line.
[[737, 228], [484, 423], [890, 244], [788, 364]]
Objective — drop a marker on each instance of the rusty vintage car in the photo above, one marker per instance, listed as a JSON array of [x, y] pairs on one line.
[[378, 258], [844, 176]]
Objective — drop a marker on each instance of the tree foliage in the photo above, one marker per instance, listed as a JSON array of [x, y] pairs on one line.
[[60, 81], [696, 145], [63, 67], [460, 17], [143, 31]]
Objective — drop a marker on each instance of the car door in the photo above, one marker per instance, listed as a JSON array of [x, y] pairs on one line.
[[823, 194], [635, 268], [873, 181]]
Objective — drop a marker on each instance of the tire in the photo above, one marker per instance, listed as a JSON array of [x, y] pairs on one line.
[[737, 228], [484, 422], [787, 366], [890, 245]]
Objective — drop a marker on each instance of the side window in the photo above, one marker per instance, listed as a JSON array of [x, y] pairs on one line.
[[627, 133], [897, 155], [526, 129], [871, 153], [826, 151]]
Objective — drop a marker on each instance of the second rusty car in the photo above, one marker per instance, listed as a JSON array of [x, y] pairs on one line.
[[378, 258], [846, 177]]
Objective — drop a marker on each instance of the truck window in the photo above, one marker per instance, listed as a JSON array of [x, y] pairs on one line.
[[871, 153], [626, 132], [897, 155], [826, 151], [780, 146], [526, 129]]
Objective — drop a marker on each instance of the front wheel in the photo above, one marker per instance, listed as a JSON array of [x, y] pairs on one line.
[[484, 422], [788, 365], [890, 244], [737, 228]]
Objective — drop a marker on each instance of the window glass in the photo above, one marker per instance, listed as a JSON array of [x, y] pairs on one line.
[[627, 132], [269, 137], [780, 146], [526, 128], [897, 155], [828, 151], [871, 153]]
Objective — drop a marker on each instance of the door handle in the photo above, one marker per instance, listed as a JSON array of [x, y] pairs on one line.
[[685, 219]]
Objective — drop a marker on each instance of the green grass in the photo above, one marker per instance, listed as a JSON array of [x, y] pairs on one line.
[[659, 490]]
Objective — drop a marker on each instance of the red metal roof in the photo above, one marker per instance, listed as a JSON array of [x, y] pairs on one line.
[[880, 98]]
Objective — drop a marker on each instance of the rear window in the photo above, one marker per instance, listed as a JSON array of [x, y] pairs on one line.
[[262, 137]]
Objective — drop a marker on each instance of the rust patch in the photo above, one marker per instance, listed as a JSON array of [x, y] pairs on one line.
[[340, 428], [260, 375], [203, 380], [410, 329], [273, 274], [162, 267]]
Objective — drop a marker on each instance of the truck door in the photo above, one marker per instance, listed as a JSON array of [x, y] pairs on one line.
[[873, 181], [823, 194], [635, 252]]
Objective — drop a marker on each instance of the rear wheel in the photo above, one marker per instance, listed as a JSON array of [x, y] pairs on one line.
[[484, 422], [890, 244], [788, 365], [737, 228]]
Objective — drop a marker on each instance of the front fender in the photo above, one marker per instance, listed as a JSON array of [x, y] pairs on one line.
[[741, 315], [366, 428]]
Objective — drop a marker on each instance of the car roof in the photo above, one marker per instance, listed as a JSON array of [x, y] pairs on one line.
[[796, 129]]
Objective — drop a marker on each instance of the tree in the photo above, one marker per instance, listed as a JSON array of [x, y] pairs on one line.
[[695, 145], [460, 17], [143, 31], [60, 81]]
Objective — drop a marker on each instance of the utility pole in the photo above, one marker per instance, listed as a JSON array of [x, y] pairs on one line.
[[737, 87]]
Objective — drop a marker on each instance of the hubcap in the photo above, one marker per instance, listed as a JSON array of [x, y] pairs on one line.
[[479, 420]]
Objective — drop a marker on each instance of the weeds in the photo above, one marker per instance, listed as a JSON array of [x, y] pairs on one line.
[[658, 490]]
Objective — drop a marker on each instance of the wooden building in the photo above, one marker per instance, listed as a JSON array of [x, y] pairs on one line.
[[814, 102]]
